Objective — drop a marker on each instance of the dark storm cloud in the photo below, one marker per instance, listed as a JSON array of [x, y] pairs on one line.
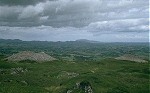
[[21, 2]]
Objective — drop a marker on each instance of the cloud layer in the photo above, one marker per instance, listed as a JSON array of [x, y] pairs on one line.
[[76, 13], [72, 17]]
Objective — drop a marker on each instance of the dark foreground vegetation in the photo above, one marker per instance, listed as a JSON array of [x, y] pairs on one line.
[[82, 67]]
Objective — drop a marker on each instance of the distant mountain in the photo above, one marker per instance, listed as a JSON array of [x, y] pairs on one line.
[[87, 41]]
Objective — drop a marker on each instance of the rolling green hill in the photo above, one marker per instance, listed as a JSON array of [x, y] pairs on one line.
[[80, 67]]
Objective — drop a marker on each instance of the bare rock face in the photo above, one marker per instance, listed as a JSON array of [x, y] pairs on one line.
[[29, 55], [131, 58]]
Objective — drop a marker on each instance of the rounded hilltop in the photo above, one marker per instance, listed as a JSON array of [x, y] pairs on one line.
[[29, 55]]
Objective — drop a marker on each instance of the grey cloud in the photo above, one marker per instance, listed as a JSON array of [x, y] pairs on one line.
[[125, 25], [9, 13], [74, 19], [43, 33], [75, 13], [68, 33], [20, 2], [31, 11]]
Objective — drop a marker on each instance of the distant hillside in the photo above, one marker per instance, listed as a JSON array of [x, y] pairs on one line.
[[88, 41], [79, 50], [10, 40], [29, 55]]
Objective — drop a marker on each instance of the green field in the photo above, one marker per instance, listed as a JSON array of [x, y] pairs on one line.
[[91, 64]]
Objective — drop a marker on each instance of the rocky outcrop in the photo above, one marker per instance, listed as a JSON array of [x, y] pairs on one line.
[[81, 87], [29, 55], [85, 86], [131, 58]]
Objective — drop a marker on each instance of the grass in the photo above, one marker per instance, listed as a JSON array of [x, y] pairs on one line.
[[105, 76]]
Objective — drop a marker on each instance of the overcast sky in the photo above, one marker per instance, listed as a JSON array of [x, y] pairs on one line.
[[65, 20]]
